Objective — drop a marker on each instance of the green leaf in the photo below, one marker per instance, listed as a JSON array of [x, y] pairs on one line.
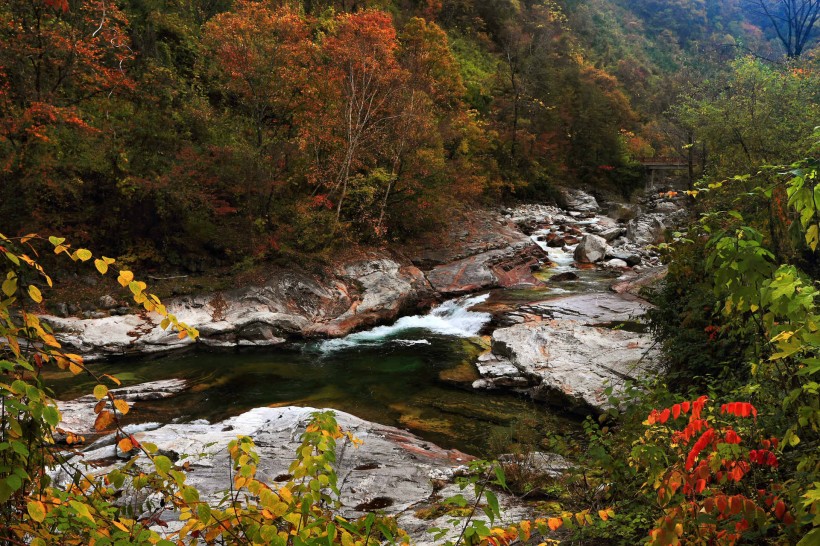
[[56, 240], [162, 463], [495, 510], [500, 477], [203, 511]]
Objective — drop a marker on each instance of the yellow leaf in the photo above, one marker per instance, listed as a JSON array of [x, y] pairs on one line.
[[113, 379], [84, 254], [75, 369], [37, 511], [603, 514], [125, 278], [100, 391], [122, 406], [121, 527], [101, 266], [125, 445], [35, 294]]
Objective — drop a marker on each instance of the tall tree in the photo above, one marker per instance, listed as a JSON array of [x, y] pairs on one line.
[[793, 21]]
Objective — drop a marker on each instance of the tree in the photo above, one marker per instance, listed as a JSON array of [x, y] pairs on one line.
[[364, 74], [793, 21]]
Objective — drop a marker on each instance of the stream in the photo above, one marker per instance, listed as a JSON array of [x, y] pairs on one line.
[[415, 374]]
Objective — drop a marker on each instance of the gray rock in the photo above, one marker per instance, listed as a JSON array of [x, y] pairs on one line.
[[392, 471], [571, 365], [580, 201], [648, 229], [593, 309], [613, 233], [631, 259], [108, 302], [667, 206], [615, 264], [623, 211], [591, 249], [78, 415]]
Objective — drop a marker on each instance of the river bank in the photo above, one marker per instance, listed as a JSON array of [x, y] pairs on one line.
[[482, 250]]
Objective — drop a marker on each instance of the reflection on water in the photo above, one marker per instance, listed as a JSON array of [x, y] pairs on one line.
[[409, 375]]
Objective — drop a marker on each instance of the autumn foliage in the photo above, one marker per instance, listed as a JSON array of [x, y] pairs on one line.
[[722, 484]]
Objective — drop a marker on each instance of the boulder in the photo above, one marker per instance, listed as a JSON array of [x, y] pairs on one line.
[[580, 201], [393, 471], [571, 365], [648, 229], [623, 212], [108, 302], [591, 249], [564, 277], [631, 259]]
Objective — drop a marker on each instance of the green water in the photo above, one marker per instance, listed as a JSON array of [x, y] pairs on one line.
[[424, 388]]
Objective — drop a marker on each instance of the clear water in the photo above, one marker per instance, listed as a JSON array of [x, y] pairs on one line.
[[414, 374]]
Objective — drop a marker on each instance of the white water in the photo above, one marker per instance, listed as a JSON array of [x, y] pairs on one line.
[[451, 318], [562, 259]]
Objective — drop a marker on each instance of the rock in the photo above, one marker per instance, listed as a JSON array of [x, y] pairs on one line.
[[392, 471], [593, 309], [571, 365], [570, 240], [591, 249], [639, 283], [78, 415], [580, 201], [505, 268], [646, 230], [108, 302], [630, 258], [615, 264], [564, 277], [666, 206], [555, 241], [612, 233], [623, 212], [61, 309]]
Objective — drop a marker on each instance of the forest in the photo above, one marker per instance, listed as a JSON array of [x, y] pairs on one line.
[[222, 138]]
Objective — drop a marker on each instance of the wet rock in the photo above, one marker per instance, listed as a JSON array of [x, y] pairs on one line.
[[78, 415], [580, 201], [591, 249], [564, 277], [570, 364], [61, 309]]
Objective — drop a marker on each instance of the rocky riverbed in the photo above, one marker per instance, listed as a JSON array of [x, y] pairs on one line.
[[563, 343]]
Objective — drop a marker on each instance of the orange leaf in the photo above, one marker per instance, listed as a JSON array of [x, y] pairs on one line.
[[104, 420], [555, 523], [603, 515], [125, 445], [122, 406]]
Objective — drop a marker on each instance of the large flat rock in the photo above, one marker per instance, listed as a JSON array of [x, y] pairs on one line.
[[593, 309], [393, 469], [567, 363]]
